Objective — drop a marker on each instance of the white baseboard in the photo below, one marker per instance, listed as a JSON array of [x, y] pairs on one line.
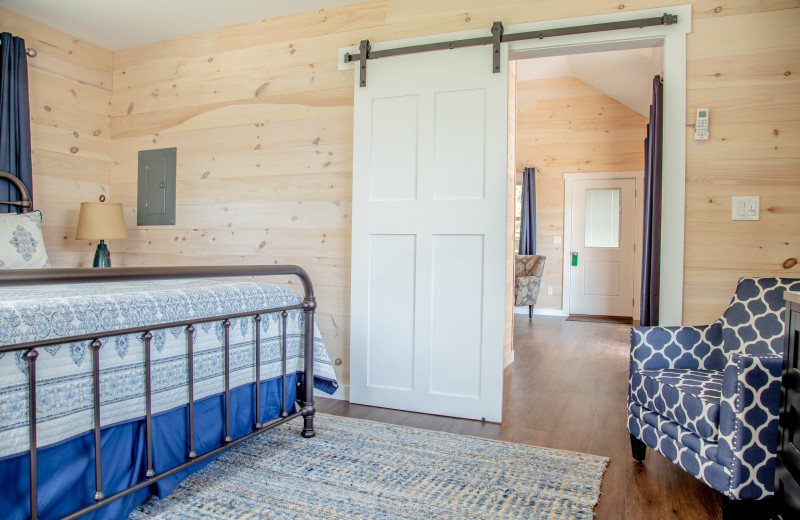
[[541, 312], [342, 393], [508, 358]]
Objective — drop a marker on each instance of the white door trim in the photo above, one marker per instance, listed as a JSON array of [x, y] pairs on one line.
[[673, 39], [569, 178]]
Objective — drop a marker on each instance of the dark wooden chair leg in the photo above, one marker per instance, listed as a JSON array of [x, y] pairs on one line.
[[748, 509], [530, 312], [638, 449]]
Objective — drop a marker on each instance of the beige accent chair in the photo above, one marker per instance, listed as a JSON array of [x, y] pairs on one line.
[[528, 271]]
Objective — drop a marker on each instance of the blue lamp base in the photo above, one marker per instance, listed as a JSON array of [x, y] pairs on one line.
[[102, 258]]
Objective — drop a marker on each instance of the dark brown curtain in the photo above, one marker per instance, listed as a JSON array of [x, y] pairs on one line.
[[527, 225], [651, 245]]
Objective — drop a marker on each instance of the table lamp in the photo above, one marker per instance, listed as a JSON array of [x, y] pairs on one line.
[[101, 221]]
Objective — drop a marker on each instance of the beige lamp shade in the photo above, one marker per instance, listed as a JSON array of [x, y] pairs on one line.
[[101, 221]]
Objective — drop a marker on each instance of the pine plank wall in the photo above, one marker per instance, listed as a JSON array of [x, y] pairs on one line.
[[69, 84], [262, 120]]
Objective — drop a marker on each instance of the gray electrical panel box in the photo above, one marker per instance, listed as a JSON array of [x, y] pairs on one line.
[[156, 187]]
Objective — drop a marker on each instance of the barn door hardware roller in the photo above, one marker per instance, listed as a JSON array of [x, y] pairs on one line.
[[365, 51]]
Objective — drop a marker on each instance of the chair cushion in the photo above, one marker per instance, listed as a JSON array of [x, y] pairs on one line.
[[688, 397], [703, 447], [527, 290]]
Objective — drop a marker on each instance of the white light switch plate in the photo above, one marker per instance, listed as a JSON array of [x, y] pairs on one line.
[[745, 208], [556, 239]]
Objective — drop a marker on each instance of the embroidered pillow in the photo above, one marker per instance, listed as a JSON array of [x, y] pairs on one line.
[[21, 241]]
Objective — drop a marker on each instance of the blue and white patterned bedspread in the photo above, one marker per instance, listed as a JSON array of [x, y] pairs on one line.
[[63, 372]]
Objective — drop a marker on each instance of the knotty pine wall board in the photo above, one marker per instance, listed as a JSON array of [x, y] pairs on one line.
[[69, 167], [251, 242], [454, 13], [317, 267], [257, 109], [237, 190], [743, 68], [58, 102], [330, 159], [244, 87], [340, 19], [246, 137], [769, 140]]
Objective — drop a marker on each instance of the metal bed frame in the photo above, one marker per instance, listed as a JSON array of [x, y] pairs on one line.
[[24, 203], [23, 277]]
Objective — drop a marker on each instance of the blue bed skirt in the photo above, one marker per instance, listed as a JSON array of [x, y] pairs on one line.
[[66, 469]]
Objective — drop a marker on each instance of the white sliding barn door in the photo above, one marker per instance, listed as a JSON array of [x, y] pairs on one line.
[[429, 234]]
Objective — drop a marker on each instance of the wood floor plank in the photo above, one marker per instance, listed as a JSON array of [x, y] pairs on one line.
[[567, 390]]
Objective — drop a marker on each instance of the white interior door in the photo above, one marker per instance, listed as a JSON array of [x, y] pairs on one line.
[[601, 256], [429, 234]]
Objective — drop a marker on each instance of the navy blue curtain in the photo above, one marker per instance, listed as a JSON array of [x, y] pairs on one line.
[[651, 245], [15, 120], [527, 226]]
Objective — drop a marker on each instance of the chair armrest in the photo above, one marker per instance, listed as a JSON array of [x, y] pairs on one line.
[[748, 423], [659, 348]]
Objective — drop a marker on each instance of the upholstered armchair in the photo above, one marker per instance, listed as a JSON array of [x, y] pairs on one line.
[[707, 397], [528, 271]]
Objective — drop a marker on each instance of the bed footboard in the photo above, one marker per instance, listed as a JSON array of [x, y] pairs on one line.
[[72, 276]]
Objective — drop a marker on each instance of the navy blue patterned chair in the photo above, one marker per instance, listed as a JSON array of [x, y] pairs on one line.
[[707, 397]]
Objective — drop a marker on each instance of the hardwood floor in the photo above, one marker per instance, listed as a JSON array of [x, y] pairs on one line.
[[567, 390]]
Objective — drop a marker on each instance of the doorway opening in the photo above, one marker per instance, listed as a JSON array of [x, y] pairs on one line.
[[581, 120]]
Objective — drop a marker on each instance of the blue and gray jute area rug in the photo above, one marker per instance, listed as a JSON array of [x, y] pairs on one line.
[[356, 469]]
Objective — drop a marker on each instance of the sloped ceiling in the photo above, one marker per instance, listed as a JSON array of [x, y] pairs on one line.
[[119, 24], [625, 76]]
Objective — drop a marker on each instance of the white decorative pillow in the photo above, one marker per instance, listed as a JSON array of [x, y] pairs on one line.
[[21, 241]]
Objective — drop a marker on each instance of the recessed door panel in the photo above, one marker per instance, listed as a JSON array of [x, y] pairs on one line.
[[392, 265], [457, 299], [459, 145], [601, 278], [393, 173]]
